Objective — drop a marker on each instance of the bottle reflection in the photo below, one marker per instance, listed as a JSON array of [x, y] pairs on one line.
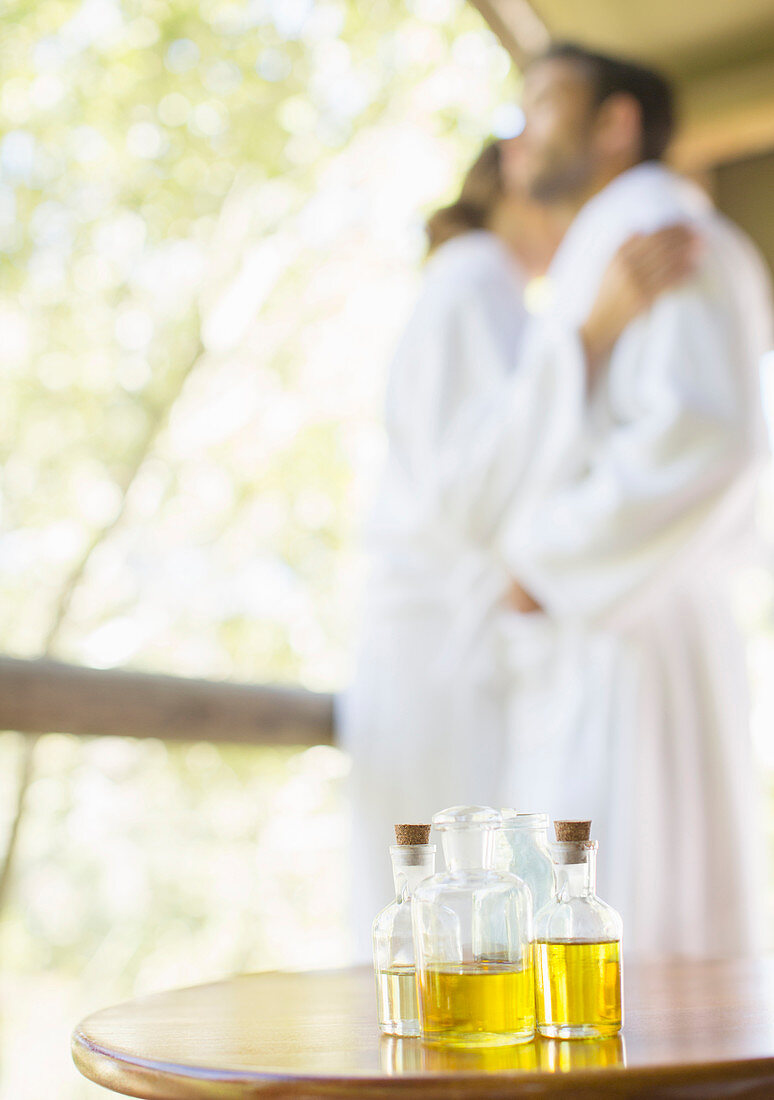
[[564, 1055], [398, 1056], [406, 1056], [449, 1058]]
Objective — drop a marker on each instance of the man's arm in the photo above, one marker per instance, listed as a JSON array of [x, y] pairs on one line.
[[655, 487]]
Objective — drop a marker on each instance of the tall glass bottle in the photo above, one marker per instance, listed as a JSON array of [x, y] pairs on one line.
[[473, 939], [413, 859], [522, 849], [577, 946]]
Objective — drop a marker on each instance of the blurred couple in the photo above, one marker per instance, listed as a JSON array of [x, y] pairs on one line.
[[547, 622]]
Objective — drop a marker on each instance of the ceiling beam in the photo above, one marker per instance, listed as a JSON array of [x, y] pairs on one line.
[[725, 115], [515, 23]]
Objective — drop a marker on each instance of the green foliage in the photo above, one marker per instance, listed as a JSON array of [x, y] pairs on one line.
[[196, 196], [209, 235]]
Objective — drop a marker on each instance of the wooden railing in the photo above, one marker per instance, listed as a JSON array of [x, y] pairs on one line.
[[44, 696]]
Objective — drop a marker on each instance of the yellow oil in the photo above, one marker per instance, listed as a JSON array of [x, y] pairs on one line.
[[578, 987], [478, 1002], [396, 999]]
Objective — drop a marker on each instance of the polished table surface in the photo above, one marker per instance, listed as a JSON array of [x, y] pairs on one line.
[[692, 1029]]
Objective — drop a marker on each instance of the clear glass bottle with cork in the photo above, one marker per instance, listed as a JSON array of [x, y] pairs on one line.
[[578, 966], [522, 849], [473, 939], [413, 859]]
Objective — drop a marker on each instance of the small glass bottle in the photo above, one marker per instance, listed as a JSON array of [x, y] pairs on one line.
[[523, 851], [413, 859], [577, 946], [473, 939]]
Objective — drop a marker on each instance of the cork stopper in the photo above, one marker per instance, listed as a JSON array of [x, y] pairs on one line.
[[412, 834], [569, 831]]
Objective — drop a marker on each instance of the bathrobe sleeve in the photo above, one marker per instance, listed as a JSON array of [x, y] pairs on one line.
[[474, 416], [657, 486]]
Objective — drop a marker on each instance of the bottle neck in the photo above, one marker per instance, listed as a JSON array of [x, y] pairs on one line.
[[577, 880], [469, 849], [411, 864]]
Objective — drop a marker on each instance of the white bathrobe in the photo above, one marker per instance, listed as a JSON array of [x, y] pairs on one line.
[[623, 515], [424, 718], [628, 699]]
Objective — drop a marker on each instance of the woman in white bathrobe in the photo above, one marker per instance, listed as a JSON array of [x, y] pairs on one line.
[[424, 719]]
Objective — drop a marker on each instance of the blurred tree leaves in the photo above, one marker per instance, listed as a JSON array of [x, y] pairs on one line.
[[210, 222], [175, 179]]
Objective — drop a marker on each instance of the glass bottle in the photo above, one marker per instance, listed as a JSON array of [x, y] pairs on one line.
[[413, 859], [522, 849], [473, 939], [577, 946]]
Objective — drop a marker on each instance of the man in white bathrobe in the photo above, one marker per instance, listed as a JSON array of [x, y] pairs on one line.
[[629, 700]]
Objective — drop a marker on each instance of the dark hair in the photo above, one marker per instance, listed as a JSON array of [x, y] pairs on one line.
[[481, 188], [615, 76]]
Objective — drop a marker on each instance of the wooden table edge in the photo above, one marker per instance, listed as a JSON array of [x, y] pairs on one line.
[[172, 1081]]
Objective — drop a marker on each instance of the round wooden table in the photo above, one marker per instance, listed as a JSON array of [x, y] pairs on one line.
[[698, 1030]]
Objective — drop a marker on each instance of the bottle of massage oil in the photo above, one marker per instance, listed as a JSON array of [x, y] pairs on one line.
[[578, 973], [413, 859], [473, 940]]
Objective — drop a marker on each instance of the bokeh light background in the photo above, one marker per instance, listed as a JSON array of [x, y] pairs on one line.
[[210, 236]]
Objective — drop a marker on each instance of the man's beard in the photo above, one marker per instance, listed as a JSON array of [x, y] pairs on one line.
[[561, 182]]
